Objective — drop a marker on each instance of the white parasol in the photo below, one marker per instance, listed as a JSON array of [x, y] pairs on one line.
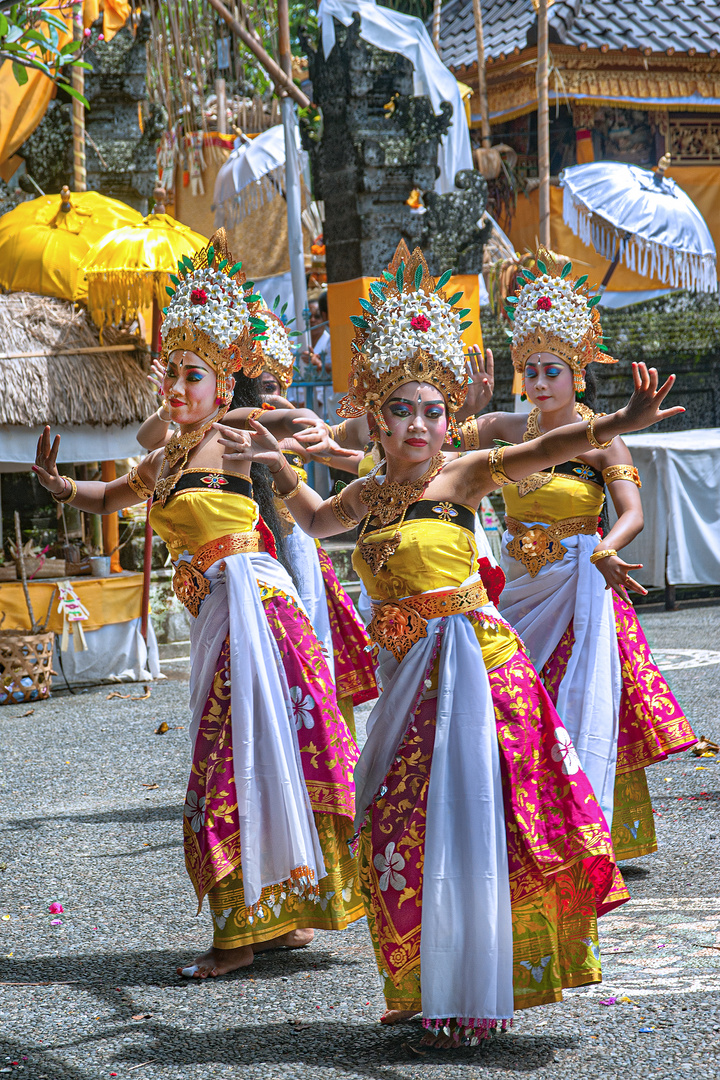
[[641, 218]]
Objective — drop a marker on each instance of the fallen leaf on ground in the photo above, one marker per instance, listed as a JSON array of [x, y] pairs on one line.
[[130, 697], [150, 787], [28, 713], [142, 1016], [162, 729]]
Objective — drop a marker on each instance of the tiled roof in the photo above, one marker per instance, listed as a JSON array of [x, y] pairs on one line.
[[637, 24]]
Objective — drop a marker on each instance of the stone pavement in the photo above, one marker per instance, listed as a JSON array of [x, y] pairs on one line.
[[90, 816]]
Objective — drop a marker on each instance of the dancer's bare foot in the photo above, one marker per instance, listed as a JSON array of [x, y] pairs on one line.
[[294, 939], [440, 1042], [398, 1016], [218, 962]]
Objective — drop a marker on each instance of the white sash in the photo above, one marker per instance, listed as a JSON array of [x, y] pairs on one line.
[[466, 944], [277, 827], [303, 554], [540, 609]]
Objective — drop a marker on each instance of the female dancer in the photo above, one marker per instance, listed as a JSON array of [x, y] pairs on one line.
[[332, 614], [484, 855], [270, 803], [566, 589]]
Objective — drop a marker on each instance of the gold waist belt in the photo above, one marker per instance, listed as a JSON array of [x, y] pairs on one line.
[[189, 583], [536, 545], [397, 624]]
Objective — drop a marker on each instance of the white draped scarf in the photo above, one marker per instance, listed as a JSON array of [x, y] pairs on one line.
[[303, 554], [540, 609], [277, 828], [466, 948]]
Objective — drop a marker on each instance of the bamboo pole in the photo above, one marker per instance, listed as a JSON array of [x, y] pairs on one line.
[[282, 79], [543, 124], [293, 193], [78, 110], [482, 81], [23, 574], [437, 9]]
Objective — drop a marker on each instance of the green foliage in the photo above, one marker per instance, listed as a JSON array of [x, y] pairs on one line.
[[30, 39]]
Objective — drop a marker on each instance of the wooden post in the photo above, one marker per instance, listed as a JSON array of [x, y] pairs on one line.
[[437, 9], [111, 522], [543, 124], [482, 82], [78, 110], [147, 567], [221, 106]]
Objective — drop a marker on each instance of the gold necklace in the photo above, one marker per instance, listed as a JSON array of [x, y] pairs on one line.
[[387, 501], [532, 431], [177, 450]]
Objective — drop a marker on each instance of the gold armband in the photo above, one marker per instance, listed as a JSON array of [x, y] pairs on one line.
[[622, 472], [592, 437], [470, 433], [285, 495], [63, 497], [339, 433], [138, 485], [605, 554], [341, 513], [495, 463]]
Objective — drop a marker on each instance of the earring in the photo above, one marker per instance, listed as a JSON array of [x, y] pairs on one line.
[[523, 397], [454, 433], [380, 421]]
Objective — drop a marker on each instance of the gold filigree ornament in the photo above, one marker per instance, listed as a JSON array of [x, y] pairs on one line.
[[409, 332], [385, 503], [535, 481], [554, 312]]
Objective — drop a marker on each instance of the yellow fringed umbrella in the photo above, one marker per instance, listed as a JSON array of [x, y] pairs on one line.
[[128, 270], [43, 241]]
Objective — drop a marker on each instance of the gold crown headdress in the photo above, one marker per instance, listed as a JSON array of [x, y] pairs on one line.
[[409, 332], [277, 350], [553, 312], [213, 313]]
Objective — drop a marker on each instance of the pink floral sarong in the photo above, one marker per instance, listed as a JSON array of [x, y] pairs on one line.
[[354, 662]]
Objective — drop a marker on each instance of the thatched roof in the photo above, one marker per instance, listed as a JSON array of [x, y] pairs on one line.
[[61, 387]]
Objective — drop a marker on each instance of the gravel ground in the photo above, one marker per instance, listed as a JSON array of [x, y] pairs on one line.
[[90, 802]]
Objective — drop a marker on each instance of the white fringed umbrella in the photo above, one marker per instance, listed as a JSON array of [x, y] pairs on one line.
[[643, 219], [252, 175]]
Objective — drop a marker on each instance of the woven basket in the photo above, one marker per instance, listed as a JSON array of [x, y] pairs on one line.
[[25, 666]]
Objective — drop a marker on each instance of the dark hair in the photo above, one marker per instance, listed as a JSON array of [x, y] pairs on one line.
[[591, 388], [247, 396], [322, 302]]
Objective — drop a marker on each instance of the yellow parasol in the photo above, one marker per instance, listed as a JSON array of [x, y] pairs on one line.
[[128, 270], [43, 241]]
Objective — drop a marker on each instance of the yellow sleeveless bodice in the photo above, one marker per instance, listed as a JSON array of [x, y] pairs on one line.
[[432, 554], [561, 498], [193, 517]]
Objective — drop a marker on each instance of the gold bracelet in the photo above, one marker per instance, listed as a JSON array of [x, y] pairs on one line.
[[62, 497], [162, 419], [285, 495], [470, 433], [341, 513], [622, 472], [605, 554], [495, 464], [340, 432], [592, 437]]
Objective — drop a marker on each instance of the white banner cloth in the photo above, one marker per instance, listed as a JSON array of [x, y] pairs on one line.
[[404, 34], [466, 949], [540, 609], [277, 827], [115, 652], [680, 472]]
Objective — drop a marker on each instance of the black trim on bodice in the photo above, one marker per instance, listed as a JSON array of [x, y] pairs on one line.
[[578, 470], [293, 458], [435, 510], [212, 480]]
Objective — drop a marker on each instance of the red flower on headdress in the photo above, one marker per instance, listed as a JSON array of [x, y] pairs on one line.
[[198, 296], [544, 303], [420, 322], [493, 579]]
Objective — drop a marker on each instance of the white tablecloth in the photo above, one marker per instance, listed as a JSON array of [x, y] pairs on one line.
[[680, 472]]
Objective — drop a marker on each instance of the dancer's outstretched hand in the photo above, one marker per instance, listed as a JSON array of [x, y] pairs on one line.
[[45, 467], [316, 439], [643, 409], [482, 380], [617, 575], [255, 444]]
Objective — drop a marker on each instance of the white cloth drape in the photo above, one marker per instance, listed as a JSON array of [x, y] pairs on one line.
[[404, 34], [277, 827], [466, 945], [116, 652], [303, 555], [540, 610]]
